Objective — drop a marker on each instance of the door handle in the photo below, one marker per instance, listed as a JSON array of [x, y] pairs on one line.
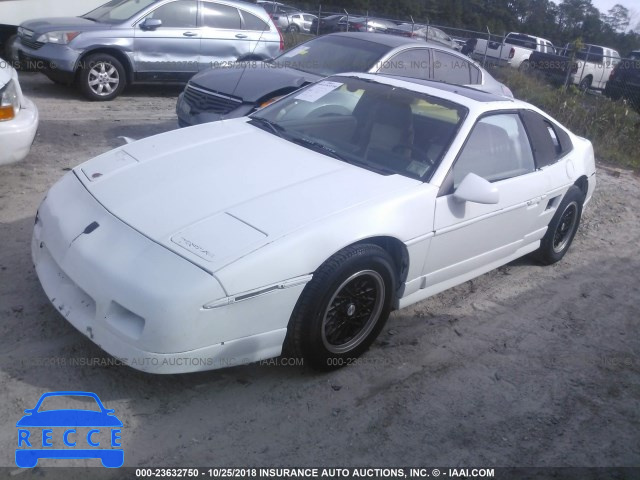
[[241, 35], [190, 34]]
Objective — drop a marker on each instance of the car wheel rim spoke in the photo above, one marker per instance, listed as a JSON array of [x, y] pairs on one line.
[[353, 311], [565, 227]]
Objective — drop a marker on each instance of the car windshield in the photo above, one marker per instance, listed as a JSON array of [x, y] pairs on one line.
[[117, 11], [69, 402], [329, 55], [385, 129]]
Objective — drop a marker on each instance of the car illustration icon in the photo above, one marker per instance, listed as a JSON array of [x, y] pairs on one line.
[[91, 431]]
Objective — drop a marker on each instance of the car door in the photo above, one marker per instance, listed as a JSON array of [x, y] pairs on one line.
[[228, 33], [469, 237], [170, 50]]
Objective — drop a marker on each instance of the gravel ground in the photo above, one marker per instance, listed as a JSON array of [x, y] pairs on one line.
[[524, 366]]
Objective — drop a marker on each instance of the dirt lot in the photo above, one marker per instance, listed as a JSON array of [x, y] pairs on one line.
[[524, 366]]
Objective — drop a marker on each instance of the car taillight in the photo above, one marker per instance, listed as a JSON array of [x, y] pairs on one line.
[[281, 40], [512, 52]]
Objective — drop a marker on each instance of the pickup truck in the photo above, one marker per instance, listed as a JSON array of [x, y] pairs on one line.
[[14, 12], [589, 68], [514, 51], [624, 81]]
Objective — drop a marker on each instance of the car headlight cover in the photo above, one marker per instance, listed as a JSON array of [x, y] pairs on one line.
[[9, 101], [57, 37]]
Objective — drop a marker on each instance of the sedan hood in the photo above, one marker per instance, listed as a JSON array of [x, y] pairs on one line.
[[215, 192], [44, 25], [251, 81]]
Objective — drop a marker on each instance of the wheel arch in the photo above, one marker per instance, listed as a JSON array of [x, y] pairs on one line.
[[398, 252], [583, 184], [115, 52]]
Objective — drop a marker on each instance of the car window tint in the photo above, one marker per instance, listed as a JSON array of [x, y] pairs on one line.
[[497, 148], [549, 141], [476, 74], [221, 16], [412, 63], [118, 10], [450, 68], [252, 22], [179, 14], [309, 18]]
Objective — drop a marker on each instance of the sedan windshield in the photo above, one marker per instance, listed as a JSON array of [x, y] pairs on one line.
[[330, 55], [117, 11], [385, 129]]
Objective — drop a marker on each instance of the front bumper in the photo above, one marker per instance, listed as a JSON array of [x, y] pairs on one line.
[[140, 302], [60, 61], [16, 135]]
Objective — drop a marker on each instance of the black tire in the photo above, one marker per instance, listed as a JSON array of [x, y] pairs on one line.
[[102, 77], [585, 84], [293, 28], [525, 66], [562, 228], [327, 327]]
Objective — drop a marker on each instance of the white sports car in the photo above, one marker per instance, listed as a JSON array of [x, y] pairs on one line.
[[301, 227]]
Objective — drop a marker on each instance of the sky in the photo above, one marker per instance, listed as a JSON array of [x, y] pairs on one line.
[[605, 5]]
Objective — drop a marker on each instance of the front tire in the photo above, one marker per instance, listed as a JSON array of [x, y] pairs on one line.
[[562, 228], [343, 308], [293, 28], [102, 77], [585, 84]]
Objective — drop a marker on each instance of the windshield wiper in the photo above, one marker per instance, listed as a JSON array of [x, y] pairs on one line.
[[263, 122], [318, 147]]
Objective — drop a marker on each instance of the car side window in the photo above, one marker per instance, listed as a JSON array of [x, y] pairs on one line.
[[550, 142], [497, 148], [178, 14], [451, 68], [412, 63], [221, 16], [252, 22]]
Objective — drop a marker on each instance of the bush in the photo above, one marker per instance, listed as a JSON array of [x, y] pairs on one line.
[[612, 127]]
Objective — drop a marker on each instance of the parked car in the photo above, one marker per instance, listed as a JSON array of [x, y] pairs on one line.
[[329, 24], [624, 81], [301, 22], [302, 226], [14, 12], [590, 67], [424, 32], [280, 13], [240, 89], [514, 51], [18, 117], [130, 41]]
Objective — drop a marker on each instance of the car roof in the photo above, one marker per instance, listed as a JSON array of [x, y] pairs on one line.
[[456, 93], [391, 41]]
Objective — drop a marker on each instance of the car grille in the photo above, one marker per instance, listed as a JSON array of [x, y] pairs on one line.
[[201, 100], [29, 42]]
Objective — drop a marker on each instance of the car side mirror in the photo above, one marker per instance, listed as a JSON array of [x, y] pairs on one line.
[[151, 23], [474, 188]]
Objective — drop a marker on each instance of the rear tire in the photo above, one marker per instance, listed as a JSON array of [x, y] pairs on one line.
[[102, 77], [562, 228], [343, 308]]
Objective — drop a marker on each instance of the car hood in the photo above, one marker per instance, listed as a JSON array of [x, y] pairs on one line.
[[44, 25], [215, 192], [252, 81]]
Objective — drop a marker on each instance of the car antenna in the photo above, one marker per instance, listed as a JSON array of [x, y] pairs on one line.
[[266, 25]]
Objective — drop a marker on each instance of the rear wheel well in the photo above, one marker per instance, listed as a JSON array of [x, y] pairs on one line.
[[118, 54], [583, 184]]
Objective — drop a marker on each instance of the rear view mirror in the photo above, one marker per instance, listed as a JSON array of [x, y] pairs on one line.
[[150, 23], [474, 188]]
